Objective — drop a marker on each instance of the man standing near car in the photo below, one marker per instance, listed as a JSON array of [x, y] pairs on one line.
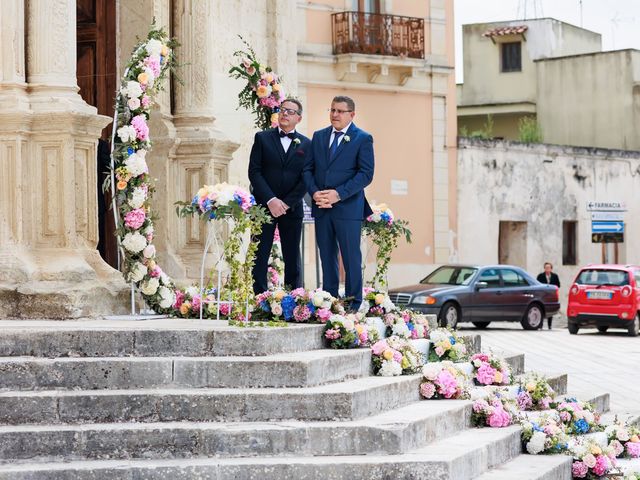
[[549, 278], [275, 172]]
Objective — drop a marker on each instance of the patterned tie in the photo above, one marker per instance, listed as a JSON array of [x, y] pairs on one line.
[[334, 144]]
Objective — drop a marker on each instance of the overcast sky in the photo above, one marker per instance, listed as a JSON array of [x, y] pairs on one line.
[[618, 21]]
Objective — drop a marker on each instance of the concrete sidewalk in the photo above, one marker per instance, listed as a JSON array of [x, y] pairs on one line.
[[594, 362]]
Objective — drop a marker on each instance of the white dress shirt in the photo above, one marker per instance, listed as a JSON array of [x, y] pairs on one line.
[[286, 141], [333, 134]]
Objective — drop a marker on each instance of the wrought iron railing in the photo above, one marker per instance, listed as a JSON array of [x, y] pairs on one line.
[[377, 34]]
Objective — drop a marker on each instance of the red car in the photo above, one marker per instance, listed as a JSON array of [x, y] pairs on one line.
[[605, 296]]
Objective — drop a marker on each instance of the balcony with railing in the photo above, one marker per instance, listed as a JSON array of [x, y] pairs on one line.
[[377, 34]]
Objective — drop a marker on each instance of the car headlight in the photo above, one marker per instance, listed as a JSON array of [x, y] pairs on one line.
[[424, 299]]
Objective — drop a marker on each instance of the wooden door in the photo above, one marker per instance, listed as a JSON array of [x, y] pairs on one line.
[[96, 72]]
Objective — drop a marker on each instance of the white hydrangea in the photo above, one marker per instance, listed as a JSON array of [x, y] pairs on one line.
[[136, 164], [439, 335], [149, 251], [164, 278], [192, 291], [154, 47], [225, 196], [137, 272], [132, 89], [431, 370], [150, 287], [536, 444], [348, 323], [400, 328], [390, 368], [127, 133], [134, 242], [478, 393], [376, 217], [167, 297], [138, 196], [319, 299], [388, 304]]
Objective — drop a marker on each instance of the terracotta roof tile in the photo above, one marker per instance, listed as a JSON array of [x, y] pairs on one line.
[[500, 31]]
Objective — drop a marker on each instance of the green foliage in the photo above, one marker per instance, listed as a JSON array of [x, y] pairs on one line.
[[385, 236], [486, 133], [529, 130]]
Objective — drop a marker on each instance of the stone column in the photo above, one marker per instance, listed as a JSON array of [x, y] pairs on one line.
[[50, 268], [202, 152]]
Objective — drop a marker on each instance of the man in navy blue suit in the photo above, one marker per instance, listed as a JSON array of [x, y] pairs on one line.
[[340, 166], [275, 172]]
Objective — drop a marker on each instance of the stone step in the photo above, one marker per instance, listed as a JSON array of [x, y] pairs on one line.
[[532, 467], [296, 369], [166, 338], [463, 456], [351, 399]]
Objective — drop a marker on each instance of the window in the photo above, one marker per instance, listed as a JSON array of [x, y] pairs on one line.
[[636, 276], [511, 278], [511, 58], [603, 277], [569, 242], [450, 276], [368, 6], [491, 277]]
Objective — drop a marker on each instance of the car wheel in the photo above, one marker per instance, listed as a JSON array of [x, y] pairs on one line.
[[635, 327], [533, 317], [573, 328], [449, 315], [481, 325], [603, 329]]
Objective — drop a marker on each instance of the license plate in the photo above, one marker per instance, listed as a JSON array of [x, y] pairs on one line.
[[600, 294]]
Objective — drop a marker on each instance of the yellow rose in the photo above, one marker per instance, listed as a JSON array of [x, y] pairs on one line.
[[379, 298], [143, 78], [184, 308], [388, 354], [359, 329], [404, 363], [634, 439], [274, 118], [262, 91], [165, 51], [122, 185], [275, 87], [446, 344], [530, 386], [498, 377], [596, 450], [279, 295], [151, 264]]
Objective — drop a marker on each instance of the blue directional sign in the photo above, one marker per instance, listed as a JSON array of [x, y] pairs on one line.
[[607, 227]]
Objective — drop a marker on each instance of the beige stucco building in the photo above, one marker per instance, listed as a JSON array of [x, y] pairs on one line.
[[554, 72], [54, 106]]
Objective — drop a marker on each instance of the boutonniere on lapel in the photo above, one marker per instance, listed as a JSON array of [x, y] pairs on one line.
[[346, 138], [296, 141]]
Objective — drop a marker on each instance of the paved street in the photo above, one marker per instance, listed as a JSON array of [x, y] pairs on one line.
[[595, 363]]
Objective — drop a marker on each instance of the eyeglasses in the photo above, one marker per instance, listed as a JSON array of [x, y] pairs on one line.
[[289, 111], [339, 112]]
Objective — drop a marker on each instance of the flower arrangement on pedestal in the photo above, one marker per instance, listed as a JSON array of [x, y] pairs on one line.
[[443, 380], [144, 73], [224, 201], [349, 331], [384, 231], [496, 411], [263, 93], [298, 305], [534, 393], [447, 345], [544, 435], [275, 271], [394, 356], [489, 369], [624, 439], [592, 461]]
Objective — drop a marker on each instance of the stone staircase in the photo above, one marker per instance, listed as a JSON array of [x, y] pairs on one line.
[[175, 399]]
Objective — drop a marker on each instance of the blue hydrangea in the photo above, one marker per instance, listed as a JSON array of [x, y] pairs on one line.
[[264, 305], [411, 326], [194, 201], [385, 216], [212, 215], [130, 150], [312, 307], [452, 340], [581, 426], [537, 427], [238, 199], [288, 304], [206, 205]]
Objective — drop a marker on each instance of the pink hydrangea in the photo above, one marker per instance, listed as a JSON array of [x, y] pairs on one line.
[[225, 309], [364, 336], [332, 334], [499, 417], [447, 384], [323, 314], [633, 449], [486, 374], [156, 272], [480, 405], [298, 293], [602, 465], [153, 64], [179, 299], [524, 400], [427, 389], [301, 313], [146, 101], [397, 356], [135, 218], [379, 347], [139, 123], [579, 470]]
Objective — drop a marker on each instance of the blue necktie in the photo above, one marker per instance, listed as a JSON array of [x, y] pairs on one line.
[[334, 144]]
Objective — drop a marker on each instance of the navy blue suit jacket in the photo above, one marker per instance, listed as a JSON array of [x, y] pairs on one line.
[[348, 172], [274, 173]]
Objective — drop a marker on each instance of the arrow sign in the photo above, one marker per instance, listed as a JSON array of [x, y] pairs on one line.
[[602, 227], [607, 216]]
